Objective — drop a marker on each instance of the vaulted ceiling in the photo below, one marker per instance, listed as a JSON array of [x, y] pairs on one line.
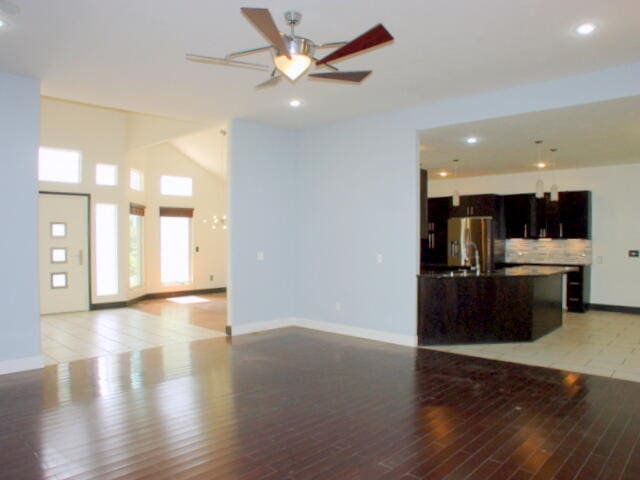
[[130, 54]]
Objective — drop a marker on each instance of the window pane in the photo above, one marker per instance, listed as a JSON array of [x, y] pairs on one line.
[[58, 230], [179, 186], [56, 165], [58, 255], [106, 175], [175, 250], [106, 249], [58, 280], [135, 251], [135, 179]]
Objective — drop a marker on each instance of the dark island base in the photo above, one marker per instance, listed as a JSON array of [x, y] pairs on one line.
[[487, 309]]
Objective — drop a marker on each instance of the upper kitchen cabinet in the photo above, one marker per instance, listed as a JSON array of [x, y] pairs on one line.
[[487, 205], [520, 215], [434, 250], [575, 215]]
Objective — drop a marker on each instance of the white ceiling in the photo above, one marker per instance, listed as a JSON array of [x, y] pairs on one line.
[[603, 133], [130, 54]]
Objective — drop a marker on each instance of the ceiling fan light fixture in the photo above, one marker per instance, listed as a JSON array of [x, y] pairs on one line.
[[292, 67]]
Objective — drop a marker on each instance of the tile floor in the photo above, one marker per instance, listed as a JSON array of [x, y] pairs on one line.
[[72, 336], [597, 343]]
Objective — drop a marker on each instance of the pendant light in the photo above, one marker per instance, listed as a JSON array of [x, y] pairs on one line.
[[456, 194], [539, 183], [554, 188]]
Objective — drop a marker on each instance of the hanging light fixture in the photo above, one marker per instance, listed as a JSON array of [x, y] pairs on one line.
[[456, 194], [554, 188], [539, 183]]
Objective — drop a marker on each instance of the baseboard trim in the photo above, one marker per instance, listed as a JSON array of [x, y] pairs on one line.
[[351, 331], [348, 330], [614, 308], [263, 326], [155, 296], [21, 364]]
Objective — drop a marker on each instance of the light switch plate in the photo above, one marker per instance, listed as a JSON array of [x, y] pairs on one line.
[[379, 258], [260, 256]]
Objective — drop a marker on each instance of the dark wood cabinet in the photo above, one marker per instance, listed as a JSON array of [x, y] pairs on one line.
[[526, 216], [578, 288], [547, 217], [575, 215], [424, 210], [520, 215], [487, 205], [434, 247]]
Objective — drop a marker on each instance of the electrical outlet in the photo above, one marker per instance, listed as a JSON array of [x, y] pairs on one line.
[[197, 249], [211, 278], [260, 256], [379, 258], [338, 307]]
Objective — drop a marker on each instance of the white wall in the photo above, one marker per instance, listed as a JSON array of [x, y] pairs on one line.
[[105, 136], [262, 199], [20, 320], [615, 227]]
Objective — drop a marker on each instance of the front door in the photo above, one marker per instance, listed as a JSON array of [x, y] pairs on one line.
[[64, 270]]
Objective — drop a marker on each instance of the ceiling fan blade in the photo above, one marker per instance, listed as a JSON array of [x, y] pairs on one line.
[[263, 21], [227, 62], [272, 82], [372, 38], [353, 77]]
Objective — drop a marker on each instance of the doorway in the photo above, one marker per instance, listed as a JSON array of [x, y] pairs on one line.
[[63, 252]]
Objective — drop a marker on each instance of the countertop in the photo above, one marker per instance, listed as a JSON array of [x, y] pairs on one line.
[[523, 271]]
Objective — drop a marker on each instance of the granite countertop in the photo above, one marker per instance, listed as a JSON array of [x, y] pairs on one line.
[[524, 271]]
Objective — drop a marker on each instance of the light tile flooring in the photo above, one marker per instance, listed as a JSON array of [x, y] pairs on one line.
[[73, 336], [597, 343]]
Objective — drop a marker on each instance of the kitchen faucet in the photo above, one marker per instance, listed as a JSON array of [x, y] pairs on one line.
[[476, 266]]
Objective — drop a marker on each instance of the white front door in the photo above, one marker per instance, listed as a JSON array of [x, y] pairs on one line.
[[64, 270]]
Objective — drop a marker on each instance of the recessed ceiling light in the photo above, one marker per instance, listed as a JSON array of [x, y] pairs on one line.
[[472, 140], [443, 174], [586, 29], [295, 103], [541, 165]]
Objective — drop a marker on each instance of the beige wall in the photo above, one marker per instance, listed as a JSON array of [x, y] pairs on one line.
[[105, 136]]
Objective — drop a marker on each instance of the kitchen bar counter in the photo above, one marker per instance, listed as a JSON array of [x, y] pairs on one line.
[[520, 271], [508, 305]]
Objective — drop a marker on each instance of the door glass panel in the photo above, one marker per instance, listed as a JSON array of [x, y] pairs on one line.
[[175, 250], [106, 249], [58, 280], [58, 255], [58, 230]]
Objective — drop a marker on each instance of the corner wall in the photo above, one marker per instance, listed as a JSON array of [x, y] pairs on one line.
[[261, 205], [20, 319]]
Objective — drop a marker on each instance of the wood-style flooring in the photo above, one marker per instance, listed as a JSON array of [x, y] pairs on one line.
[[298, 404]]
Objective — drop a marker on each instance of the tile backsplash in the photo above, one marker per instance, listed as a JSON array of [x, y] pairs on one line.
[[561, 252]]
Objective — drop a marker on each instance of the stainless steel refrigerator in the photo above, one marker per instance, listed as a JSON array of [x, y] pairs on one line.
[[470, 243]]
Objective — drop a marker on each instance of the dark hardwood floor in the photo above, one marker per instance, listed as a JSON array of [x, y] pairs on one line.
[[297, 404]]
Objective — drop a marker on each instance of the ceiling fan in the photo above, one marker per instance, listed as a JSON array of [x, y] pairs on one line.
[[293, 55]]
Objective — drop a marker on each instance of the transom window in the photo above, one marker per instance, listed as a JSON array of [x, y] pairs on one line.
[[178, 186], [106, 175], [58, 165]]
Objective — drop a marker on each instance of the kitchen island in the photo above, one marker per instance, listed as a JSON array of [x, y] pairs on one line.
[[515, 304]]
